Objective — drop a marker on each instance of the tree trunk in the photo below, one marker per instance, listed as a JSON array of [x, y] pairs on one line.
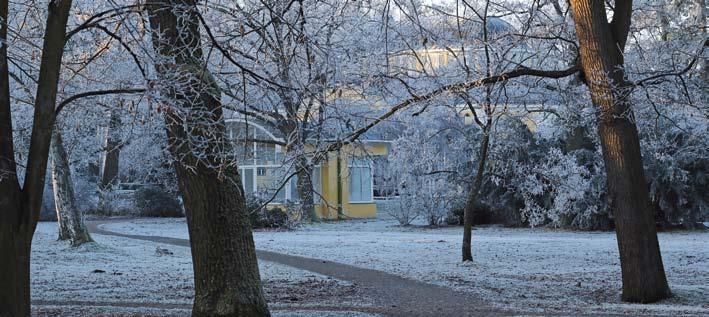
[[14, 239], [109, 168], [702, 17], [601, 48], [15, 249], [227, 281], [468, 213], [306, 190], [19, 206], [70, 219]]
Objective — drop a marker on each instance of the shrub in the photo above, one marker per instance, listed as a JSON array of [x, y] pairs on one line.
[[400, 211], [260, 216], [455, 216], [153, 201], [482, 214]]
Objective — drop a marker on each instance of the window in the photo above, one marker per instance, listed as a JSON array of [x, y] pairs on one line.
[[249, 153], [265, 152], [247, 178], [294, 194], [268, 180], [262, 164], [383, 179], [360, 180]]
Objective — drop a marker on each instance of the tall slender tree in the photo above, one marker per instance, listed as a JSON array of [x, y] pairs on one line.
[[601, 45], [20, 205], [226, 275]]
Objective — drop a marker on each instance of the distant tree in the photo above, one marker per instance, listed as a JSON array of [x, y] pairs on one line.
[[109, 164], [69, 217]]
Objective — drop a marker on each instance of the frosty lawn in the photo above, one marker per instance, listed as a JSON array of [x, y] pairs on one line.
[[523, 270], [117, 276]]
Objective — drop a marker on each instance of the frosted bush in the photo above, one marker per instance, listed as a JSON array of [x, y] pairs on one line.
[[553, 188], [401, 210], [427, 163]]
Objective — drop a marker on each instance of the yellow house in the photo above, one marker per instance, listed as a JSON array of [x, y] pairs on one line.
[[343, 182]]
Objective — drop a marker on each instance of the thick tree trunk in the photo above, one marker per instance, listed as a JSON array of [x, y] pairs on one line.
[[469, 211], [19, 206], [70, 219], [15, 241], [227, 281], [109, 166], [14, 246], [601, 45]]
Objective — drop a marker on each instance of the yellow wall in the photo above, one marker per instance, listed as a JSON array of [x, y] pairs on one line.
[[328, 172], [327, 208]]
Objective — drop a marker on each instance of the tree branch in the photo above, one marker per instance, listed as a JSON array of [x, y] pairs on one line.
[[95, 93], [458, 87]]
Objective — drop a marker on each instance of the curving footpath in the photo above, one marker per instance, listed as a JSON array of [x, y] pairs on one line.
[[393, 295]]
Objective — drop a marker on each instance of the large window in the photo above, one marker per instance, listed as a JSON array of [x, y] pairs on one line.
[[250, 153], [360, 180], [383, 178], [261, 164]]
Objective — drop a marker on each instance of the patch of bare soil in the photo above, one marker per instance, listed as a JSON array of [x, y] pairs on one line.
[[312, 290]]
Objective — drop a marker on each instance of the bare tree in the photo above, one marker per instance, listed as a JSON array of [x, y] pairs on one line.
[[19, 207], [601, 47], [227, 281]]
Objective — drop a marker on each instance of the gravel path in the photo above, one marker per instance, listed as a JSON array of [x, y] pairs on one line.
[[394, 295]]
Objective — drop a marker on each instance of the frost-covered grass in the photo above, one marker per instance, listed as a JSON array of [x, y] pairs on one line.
[[65, 282], [522, 269], [133, 270]]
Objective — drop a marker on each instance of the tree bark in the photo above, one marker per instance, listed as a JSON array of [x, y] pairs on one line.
[[469, 212], [601, 48], [306, 190], [227, 281], [109, 168], [19, 206], [69, 218]]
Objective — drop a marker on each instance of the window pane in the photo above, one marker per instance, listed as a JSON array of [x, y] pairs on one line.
[[281, 195], [243, 150], [265, 153], [360, 184], [247, 175], [268, 180], [355, 185], [317, 186], [366, 180], [294, 195]]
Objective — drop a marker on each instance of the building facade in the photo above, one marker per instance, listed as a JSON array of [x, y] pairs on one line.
[[343, 182]]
